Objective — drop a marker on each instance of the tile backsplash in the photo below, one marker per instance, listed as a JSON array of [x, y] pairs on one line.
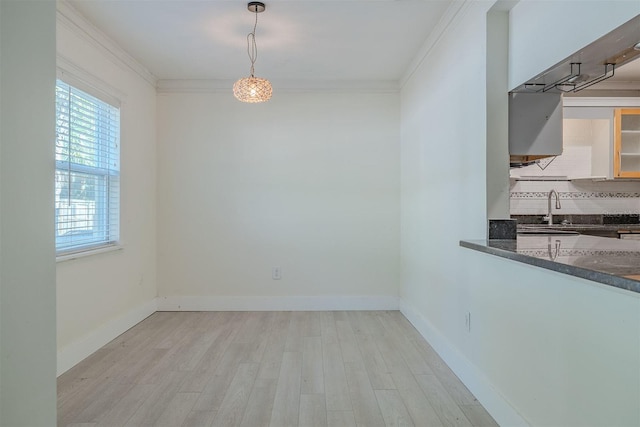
[[576, 197]]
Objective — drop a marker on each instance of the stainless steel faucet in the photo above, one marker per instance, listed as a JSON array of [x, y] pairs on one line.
[[549, 216]]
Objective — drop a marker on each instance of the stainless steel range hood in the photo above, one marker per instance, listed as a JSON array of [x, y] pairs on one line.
[[535, 126]]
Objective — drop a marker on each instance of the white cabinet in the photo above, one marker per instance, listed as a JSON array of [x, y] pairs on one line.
[[587, 137]]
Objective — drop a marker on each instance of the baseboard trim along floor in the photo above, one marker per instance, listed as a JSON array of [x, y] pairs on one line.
[[78, 350], [277, 303], [471, 377]]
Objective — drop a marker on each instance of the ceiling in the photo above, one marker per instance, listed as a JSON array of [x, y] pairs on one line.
[[328, 40]]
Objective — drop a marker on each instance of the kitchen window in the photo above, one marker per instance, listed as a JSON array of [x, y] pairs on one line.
[[87, 177]]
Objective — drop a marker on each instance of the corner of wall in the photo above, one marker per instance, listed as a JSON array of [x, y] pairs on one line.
[[80, 349], [470, 375]]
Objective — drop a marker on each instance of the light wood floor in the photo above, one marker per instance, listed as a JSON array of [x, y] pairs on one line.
[[267, 369]]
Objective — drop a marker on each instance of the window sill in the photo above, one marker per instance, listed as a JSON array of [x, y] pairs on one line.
[[88, 252]]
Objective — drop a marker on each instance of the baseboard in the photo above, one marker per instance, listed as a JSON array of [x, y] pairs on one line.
[[474, 379], [276, 303], [77, 351]]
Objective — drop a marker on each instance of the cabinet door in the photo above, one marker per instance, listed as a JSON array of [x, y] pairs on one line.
[[627, 143]]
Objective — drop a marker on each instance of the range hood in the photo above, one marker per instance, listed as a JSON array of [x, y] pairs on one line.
[[535, 127]]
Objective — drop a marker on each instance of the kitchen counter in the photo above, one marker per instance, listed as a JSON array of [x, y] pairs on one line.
[[612, 262]]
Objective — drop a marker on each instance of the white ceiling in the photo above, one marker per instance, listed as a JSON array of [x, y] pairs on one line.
[[297, 40]]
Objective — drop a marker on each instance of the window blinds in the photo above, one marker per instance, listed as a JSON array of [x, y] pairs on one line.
[[87, 180]]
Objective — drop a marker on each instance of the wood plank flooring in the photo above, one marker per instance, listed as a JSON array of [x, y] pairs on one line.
[[271, 369]]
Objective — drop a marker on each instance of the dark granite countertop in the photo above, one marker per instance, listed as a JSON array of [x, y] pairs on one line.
[[583, 219], [612, 262]]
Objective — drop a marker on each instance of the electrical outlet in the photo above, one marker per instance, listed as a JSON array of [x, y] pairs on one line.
[[276, 273]]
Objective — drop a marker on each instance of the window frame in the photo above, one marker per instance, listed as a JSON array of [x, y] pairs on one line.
[[109, 238]]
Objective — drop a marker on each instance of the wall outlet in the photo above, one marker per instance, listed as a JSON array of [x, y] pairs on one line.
[[276, 273], [467, 321]]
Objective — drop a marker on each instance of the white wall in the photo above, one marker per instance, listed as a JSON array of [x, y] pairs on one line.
[[27, 270], [562, 351], [443, 176], [308, 182], [102, 295], [544, 348], [497, 153]]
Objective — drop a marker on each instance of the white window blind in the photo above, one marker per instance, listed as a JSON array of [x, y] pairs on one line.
[[87, 187]]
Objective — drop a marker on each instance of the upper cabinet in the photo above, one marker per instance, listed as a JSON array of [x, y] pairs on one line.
[[587, 141], [626, 151]]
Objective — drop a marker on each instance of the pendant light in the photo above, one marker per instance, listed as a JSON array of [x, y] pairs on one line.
[[253, 89]]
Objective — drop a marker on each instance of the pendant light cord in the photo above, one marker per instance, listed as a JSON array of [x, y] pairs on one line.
[[252, 89], [252, 47]]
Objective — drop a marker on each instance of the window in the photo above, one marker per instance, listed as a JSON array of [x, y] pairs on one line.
[[87, 180]]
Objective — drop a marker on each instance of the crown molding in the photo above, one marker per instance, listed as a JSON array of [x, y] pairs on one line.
[[450, 16], [69, 16], [79, 76], [281, 86]]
